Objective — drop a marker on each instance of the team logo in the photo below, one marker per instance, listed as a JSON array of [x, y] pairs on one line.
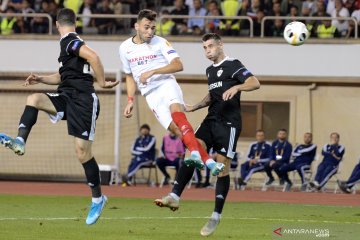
[[219, 72]]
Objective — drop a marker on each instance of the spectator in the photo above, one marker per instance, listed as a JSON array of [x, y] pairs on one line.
[[310, 5], [173, 152], [303, 155], [333, 154], [321, 12], [72, 4], [143, 151], [330, 6], [280, 155], [287, 4], [326, 30], [197, 23], [347, 186], [8, 24], [257, 24], [254, 8], [340, 11], [180, 9], [190, 3], [40, 24], [276, 10], [212, 25], [17, 5], [258, 155], [52, 10], [294, 12], [86, 9], [27, 9], [104, 25], [230, 27], [321, 9], [165, 27], [305, 12], [277, 29], [351, 31]]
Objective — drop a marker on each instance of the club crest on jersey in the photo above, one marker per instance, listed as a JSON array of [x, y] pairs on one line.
[[219, 72]]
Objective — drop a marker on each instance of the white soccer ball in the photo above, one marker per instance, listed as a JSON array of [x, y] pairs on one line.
[[296, 33]]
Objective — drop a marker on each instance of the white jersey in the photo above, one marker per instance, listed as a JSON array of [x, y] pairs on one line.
[[139, 58]]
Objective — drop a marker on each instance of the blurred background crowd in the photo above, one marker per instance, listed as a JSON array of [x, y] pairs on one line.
[[218, 10]]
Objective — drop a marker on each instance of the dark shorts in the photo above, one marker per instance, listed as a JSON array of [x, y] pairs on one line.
[[79, 109], [219, 136]]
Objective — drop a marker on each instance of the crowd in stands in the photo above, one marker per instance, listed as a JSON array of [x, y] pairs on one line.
[[255, 9], [280, 157]]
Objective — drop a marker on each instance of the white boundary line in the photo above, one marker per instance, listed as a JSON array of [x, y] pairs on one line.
[[167, 218]]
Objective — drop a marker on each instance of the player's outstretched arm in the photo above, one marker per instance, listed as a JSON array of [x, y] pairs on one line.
[[203, 103], [174, 66], [53, 79], [131, 88], [250, 84], [96, 64]]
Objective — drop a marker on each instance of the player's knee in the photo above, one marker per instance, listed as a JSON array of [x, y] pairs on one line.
[[82, 154], [33, 100]]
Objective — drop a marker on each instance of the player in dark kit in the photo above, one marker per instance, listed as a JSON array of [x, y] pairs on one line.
[[220, 130], [75, 101]]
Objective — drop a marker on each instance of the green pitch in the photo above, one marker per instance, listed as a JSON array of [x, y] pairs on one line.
[[37, 217]]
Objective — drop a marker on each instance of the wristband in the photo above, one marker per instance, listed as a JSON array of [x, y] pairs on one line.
[[130, 99]]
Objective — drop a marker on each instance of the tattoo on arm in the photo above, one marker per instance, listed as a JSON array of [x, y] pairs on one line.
[[203, 103]]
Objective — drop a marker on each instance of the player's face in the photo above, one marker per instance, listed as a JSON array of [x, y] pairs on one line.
[[307, 138], [213, 49], [282, 135], [144, 131], [334, 139], [260, 136], [145, 29]]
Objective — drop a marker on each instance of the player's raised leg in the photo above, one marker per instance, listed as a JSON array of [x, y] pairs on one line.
[[198, 156], [34, 103], [92, 173], [221, 191]]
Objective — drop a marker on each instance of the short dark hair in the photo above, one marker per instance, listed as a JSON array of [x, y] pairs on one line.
[[213, 36], [66, 16], [148, 14], [282, 130], [260, 130], [145, 126], [335, 133]]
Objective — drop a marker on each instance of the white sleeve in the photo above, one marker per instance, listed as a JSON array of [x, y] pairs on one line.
[[124, 61], [167, 50]]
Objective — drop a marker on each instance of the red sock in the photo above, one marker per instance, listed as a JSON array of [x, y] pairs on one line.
[[204, 155], [187, 131]]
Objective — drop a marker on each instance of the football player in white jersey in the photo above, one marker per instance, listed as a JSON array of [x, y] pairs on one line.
[[149, 62]]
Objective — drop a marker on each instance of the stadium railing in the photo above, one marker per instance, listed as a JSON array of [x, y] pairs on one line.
[[128, 27], [267, 18], [32, 15], [131, 16]]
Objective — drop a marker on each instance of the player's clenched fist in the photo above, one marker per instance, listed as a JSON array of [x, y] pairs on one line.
[[145, 76], [110, 84]]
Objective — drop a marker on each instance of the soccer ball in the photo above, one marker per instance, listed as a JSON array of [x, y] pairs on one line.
[[296, 33]]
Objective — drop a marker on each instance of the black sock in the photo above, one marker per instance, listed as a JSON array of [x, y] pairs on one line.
[[182, 178], [27, 121], [221, 191], [92, 174]]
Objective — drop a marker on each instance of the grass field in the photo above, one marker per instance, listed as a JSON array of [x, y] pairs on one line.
[[37, 217]]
